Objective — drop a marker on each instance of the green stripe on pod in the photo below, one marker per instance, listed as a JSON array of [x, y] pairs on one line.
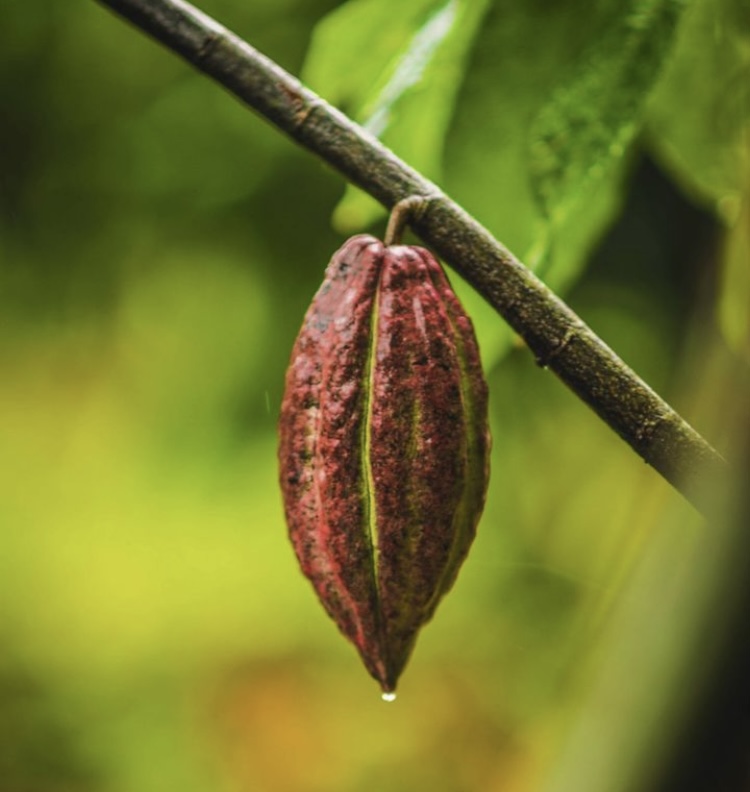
[[384, 445]]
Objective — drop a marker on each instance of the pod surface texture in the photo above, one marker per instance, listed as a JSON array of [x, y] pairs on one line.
[[384, 445]]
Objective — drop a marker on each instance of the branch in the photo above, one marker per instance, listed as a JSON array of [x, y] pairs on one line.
[[556, 335]]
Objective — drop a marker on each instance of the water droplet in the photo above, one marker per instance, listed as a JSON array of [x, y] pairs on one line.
[[390, 696]]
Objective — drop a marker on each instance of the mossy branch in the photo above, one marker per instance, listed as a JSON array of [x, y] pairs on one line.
[[557, 337]]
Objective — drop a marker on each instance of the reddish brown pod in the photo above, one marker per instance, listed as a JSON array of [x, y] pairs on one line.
[[383, 445]]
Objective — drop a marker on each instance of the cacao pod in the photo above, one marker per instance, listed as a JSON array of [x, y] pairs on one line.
[[384, 445]]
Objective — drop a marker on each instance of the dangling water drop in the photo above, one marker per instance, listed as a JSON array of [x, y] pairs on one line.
[[389, 696]]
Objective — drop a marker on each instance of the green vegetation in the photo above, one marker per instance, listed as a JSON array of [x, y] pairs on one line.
[[158, 248]]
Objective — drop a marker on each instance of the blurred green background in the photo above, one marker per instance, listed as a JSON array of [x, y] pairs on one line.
[[159, 245]]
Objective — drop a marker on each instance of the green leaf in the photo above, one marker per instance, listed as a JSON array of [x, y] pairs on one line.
[[699, 118], [705, 141], [396, 67], [533, 69], [354, 45], [582, 131], [734, 294]]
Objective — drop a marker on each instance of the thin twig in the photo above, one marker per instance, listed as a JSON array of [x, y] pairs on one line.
[[557, 337]]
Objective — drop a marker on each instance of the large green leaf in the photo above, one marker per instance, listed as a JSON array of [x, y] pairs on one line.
[[699, 116], [552, 99], [396, 67], [550, 89], [584, 127], [700, 125]]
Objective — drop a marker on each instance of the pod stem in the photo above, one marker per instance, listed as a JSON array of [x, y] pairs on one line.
[[402, 214]]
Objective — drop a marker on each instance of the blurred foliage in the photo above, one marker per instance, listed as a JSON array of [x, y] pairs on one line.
[[158, 247], [699, 122], [37, 741], [405, 88], [583, 127]]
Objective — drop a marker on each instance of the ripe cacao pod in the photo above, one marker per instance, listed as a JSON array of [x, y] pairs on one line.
[[384, 445]]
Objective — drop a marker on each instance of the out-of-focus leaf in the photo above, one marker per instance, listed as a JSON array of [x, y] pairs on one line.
[[700, 125], [521, 53], [354, 46], [734, 297], [593, 113], [396, 67], [699, 118]]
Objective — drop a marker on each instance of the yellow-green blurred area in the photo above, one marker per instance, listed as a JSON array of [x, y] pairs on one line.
[[158, 247]]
